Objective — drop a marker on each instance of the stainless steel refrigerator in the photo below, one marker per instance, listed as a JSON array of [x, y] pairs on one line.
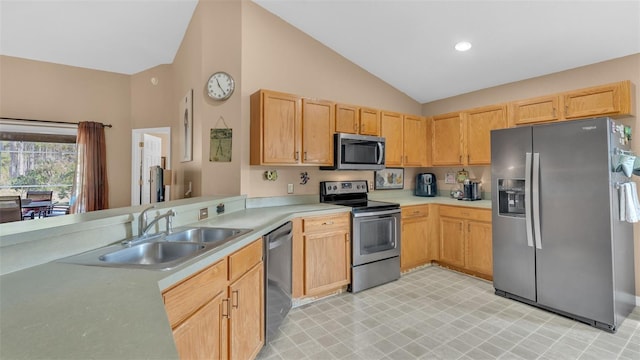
[[558, 240]]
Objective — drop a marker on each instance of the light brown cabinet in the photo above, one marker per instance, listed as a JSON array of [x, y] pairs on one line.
[[417, 246], [415, 141], [289, 130], [218, 313], [447, 139], [321, 254], [464, 138], [530, 111], [391, 125], [604, 100], [478, 124], [465, 240], [356, 120], [611, 99]]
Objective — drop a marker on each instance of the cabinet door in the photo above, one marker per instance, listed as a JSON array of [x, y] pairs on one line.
[[280, 134], [478, 247], [369, 122], [347, 119], [415, 141], [318, 121], [479, 123], [327, 259], [535, 110], [246, 318], [446, 140], [415, 243], [202, 336], [611, 99], [391, 130], [452, 241]]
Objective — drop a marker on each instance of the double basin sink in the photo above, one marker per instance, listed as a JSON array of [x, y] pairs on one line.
[[161, 251]]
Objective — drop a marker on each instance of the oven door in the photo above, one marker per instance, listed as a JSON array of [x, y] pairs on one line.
[[376, 235]]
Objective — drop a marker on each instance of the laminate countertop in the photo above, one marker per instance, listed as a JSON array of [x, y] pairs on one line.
[[69, 311]]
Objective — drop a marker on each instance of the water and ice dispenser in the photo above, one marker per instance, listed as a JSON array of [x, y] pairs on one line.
[[511, 197]]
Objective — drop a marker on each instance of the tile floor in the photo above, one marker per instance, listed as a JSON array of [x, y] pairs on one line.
[[434, 313]]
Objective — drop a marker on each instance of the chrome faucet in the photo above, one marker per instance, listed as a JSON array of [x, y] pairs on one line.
[[142, 220], [169, 218]]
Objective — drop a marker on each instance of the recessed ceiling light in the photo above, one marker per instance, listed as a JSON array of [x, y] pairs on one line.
[[463, 46]]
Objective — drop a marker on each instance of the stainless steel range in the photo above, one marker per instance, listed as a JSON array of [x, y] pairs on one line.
[[375, 233]]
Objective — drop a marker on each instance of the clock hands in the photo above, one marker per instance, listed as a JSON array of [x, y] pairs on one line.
[[220, 86]]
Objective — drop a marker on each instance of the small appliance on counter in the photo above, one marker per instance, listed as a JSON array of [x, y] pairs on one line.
[[426, 185], [471, 191]]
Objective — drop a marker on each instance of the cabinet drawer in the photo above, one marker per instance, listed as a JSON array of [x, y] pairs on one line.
[[188, 296], [416, 211], [466, 213], [244, 259], [326, 223]]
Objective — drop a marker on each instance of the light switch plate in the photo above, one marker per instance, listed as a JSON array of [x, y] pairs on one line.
[[289, 188]]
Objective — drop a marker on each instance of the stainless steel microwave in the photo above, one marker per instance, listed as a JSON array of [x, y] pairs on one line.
[[357, 152]]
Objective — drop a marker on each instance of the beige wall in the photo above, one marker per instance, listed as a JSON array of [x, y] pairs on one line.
[[46, 91], [625, 68], [277, 56]]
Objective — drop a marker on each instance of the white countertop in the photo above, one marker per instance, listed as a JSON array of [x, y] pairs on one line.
[[59, 310]]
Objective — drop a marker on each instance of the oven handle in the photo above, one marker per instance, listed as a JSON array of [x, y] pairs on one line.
[[375, 213]]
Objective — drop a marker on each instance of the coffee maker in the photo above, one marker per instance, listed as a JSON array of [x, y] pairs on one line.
[[471, 191], [426, 185]]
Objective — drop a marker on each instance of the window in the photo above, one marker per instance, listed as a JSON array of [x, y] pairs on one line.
[[37, 158]]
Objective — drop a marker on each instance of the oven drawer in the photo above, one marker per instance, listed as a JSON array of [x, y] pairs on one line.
[[466, 213], [326, 222]]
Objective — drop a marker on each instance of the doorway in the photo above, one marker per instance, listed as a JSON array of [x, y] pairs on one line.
[[150, 148]]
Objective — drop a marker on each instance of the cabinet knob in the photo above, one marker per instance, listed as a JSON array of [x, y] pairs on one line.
[[327, 223], [296, 155], [235, 295]]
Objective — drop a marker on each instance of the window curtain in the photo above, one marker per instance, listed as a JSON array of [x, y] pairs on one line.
[[90, 188]]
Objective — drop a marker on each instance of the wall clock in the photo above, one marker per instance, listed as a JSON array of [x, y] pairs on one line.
[[220, 86]]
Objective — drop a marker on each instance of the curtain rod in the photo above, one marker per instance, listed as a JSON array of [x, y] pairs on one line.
[[51, 121]]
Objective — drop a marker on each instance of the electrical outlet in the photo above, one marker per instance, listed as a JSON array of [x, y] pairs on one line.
[[203, 214], [371, 185], [289, 188]]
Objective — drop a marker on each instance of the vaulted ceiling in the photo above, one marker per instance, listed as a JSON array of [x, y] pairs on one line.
[[408, 44]]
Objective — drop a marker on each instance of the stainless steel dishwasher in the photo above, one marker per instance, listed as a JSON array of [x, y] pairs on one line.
[[277, 277]]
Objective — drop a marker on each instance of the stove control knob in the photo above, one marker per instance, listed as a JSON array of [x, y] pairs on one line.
[[335, 187]]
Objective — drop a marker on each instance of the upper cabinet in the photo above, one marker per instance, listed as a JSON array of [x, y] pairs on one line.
[[612, 99], [464, 138], [415, 141], [545, 108], [478, 124], [603, 100], [357, 120], [391, 130], [447, 139], [289, 130]]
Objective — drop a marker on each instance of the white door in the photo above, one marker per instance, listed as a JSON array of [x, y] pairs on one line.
[[150, 154], [146, 151]]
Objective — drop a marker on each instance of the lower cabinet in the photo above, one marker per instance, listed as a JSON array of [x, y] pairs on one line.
[[218, 313], [416, 242], [465, 240], [321, 254]]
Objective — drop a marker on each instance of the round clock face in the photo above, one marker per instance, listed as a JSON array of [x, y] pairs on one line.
[[220, 86]]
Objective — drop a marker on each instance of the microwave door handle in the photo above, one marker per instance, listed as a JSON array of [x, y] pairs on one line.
[[380, 153]]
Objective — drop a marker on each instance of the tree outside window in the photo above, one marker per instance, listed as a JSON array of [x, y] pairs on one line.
[[35, 165]]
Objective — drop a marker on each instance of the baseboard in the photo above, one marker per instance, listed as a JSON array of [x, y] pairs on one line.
[[637, 300]]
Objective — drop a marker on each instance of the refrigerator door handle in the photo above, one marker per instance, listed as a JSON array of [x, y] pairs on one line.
[[535, 186], [527, 200]]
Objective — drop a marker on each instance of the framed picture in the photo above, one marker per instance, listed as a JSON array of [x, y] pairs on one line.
[[186, 130], [389, 179]]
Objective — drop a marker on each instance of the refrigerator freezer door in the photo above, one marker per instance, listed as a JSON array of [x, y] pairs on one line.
[[513, 258], [573, 262]]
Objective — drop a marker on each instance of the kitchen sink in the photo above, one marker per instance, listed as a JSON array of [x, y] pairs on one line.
[[209, 235], [150, 253], [160, 251]]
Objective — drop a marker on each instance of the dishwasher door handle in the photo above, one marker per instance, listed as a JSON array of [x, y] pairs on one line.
[[279, 242]]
